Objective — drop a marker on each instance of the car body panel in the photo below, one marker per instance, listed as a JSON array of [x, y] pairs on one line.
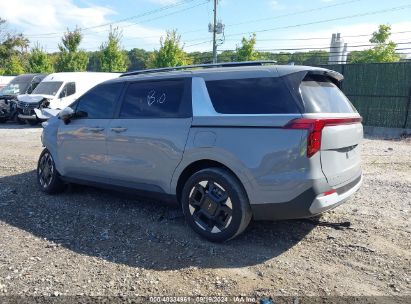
[[148, 150], [269, 159], [81, 147]]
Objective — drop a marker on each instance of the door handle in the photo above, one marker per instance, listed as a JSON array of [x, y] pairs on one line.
[[118, 129], [96, 129]]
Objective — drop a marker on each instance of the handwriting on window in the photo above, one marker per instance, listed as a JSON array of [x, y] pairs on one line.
[[154, 97]]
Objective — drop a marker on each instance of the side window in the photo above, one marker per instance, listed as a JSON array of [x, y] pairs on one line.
[[153, 99], [68, 89], [99, 102], [251, 96], [32, 86]]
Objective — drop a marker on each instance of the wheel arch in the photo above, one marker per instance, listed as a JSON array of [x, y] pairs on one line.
[[201, 164]]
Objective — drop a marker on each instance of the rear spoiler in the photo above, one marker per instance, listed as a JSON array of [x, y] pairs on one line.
[[337, 77]]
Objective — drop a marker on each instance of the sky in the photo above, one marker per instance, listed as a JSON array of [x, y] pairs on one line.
[[279, 24]]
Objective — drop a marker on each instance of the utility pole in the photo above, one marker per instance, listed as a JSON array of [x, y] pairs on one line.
[[217, 28], [215, 33]]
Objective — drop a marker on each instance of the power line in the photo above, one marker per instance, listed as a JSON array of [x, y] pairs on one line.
[[298, 25], [281, 16], [293, 14], [156, 18], [397, 8], [304, 39], [321, 48], [290, 26], [314, 55], [121, 20], [319, 38]]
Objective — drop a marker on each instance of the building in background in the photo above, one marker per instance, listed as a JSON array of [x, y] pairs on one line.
[[338, 50]]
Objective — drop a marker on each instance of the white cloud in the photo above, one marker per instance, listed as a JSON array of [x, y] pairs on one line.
[[276, 5], [52, 14], [55, 16]]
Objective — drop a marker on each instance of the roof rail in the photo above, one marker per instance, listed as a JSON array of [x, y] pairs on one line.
[[204, 66]]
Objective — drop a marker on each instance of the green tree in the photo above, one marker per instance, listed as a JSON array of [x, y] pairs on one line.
[[282, 58], [226, 56], [94, 61], [71, 58], [309, 58], [39, 61], [383, 51], [113, 58], [170, 53], [246, 52], [138, 59], [14, 66], [13, 50]]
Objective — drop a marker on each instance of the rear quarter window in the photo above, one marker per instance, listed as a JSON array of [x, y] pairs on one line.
[[320, 95], [251, 96]]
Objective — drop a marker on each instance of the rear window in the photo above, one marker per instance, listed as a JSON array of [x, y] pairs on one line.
[[320, 95], [251, 96]]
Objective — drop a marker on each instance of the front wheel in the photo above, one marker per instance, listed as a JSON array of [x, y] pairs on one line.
[[215, 204], [19, 120], [47, 176], [32, 122]]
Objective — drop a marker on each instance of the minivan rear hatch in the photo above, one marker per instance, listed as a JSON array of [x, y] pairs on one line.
[[342, 130]]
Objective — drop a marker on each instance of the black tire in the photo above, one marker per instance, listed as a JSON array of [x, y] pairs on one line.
[[194, 198], [32, 122], [3, 119], [48, 178], [19, 120]]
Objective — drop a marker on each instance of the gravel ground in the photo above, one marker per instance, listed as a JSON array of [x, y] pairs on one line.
[[88, 241]]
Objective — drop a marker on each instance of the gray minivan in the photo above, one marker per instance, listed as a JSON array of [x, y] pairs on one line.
[[230, 142]]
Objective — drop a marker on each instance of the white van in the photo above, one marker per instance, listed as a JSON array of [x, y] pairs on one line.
[[55, 92]]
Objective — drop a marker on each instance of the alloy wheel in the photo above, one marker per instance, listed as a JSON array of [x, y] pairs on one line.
[[210, 206], [46, 170]]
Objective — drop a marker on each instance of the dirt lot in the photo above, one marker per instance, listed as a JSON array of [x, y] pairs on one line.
[[88, 241]]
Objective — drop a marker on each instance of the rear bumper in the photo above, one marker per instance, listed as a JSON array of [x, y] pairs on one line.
[[307, 204], [323, 203]]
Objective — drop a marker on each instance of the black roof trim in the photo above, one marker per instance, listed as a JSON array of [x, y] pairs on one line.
[[204, 66]]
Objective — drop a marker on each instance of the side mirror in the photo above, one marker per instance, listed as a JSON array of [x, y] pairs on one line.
[[66, 115]]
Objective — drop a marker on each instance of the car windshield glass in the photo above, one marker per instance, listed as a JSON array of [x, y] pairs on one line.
[[48, 88], [15, 88]]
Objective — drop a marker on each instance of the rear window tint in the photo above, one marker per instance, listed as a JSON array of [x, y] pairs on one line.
[[320, 95], [251, 96]]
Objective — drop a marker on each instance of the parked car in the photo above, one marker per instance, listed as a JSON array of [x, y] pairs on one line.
[[5, 80], [22, 84], [230, 143], [56, 92]]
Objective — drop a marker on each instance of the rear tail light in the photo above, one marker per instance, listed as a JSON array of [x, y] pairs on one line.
[[315, 127]]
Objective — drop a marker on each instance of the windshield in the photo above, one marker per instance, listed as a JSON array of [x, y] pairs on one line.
[[48, 88], [15, 88]]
